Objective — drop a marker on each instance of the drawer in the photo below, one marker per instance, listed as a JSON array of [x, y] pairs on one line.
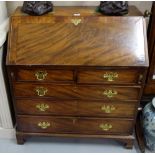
[[48, 124], [76, 108], [76, 92], [44, 75], [122, 76]]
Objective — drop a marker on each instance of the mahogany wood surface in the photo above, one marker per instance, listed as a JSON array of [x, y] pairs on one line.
[[124, 76], [149, 89], [76, 125], [77, 92], [127, 140], [99, 41], [77, 108], [59, 61], [52, 75]]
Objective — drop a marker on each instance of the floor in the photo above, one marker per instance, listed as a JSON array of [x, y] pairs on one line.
[[65, 145]]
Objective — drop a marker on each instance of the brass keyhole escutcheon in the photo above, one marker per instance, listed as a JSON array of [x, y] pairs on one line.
[[42, 107], [41, 91], [44, 125], [76, 22], [110, 76], [41, 75]]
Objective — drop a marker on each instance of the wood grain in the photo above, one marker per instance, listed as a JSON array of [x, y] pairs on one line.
[[120, 42], [52, 75], [76, 92], [76, 108], [74, 125], [124, 76], [75, 57]]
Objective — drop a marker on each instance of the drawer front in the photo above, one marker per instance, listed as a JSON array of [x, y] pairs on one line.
[[74, 125], [44, 75], [76, 92], [76, 108], [111, 76]]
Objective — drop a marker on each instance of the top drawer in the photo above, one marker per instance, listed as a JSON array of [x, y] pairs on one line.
[[111, 76], [45, 75]]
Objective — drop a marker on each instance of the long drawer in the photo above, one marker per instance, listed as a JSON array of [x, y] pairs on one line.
[[109, 76], [74, 125], [112, 76], [75, 108], [76, 92]]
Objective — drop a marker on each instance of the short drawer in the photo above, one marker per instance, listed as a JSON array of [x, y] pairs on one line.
[[76, 92], [74, 125], [44, 75], [76, 108], [122, 76]]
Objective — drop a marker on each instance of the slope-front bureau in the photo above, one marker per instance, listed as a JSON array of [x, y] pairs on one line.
[[76, 73]]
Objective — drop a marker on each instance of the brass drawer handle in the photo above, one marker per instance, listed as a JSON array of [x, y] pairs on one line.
[[42, 107], [108, 108], [110, 93], [41, 91], [41, 75], [105, 127], [110, 76], [44, 125], [76, 22]]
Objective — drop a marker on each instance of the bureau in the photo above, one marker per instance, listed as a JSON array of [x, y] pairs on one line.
[[76, 73]]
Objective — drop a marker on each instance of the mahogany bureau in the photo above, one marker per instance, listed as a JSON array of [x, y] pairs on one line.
[[76, 73]]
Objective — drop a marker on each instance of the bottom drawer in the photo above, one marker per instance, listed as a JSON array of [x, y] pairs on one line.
[[79, 125]]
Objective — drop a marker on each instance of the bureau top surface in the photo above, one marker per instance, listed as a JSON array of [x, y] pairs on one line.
[[77, 36]]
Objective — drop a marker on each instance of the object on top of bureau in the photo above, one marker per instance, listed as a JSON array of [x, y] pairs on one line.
[[117, 8], [70, 72], [37, 8]]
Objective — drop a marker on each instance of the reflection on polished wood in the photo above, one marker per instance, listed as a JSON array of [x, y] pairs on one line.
[[77, 73], [120, 42]]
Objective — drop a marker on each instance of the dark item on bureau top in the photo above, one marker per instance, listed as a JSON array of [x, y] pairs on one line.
[[113, 7], [37, 8]]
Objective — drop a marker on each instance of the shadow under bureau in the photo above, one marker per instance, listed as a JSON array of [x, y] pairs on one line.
[[76, 76]]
